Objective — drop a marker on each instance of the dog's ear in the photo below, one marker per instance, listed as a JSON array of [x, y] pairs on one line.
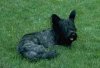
[[72, 15], [55, 18]]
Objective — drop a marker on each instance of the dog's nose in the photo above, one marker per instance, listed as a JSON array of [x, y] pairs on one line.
[[72, 33]]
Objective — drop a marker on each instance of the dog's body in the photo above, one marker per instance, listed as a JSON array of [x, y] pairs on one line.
[[35, 45]]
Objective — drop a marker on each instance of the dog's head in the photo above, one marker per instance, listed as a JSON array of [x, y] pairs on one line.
[[65, 27]]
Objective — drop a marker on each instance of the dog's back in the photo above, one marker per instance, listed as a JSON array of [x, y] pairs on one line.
[[34, 45]]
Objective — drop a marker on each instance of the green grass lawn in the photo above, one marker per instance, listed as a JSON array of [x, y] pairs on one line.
[[18, 17]]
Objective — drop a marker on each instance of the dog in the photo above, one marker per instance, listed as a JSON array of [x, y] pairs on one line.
[[36, 45]]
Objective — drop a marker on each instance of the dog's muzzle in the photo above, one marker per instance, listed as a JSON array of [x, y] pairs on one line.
[[72, 36]]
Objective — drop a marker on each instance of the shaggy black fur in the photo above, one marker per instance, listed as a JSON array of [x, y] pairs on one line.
[[35, 45]]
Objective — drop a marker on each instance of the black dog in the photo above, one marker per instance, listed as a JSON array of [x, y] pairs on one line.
[[35, 45]]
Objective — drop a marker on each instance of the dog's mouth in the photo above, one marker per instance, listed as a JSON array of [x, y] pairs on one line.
[[72, 39]]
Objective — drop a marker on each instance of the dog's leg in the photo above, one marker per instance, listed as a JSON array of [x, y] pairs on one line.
[[34, 51]]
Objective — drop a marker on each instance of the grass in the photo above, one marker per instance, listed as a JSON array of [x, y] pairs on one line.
[[18, 17]]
